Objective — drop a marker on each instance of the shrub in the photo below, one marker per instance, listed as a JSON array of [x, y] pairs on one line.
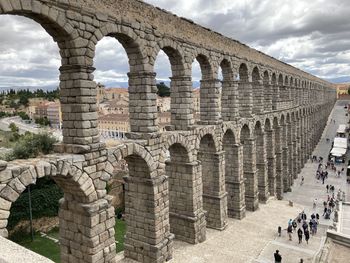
[[31, 145]]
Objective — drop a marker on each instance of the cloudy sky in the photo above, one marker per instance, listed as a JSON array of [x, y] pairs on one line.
[[312, 35]]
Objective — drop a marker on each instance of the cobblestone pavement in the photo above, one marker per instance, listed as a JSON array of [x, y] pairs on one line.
[[254, 239]]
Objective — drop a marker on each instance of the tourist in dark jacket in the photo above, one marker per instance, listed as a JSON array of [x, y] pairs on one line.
[[300, 235], [307, 236]]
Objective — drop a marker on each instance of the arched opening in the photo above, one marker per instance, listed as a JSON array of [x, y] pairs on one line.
[[167, 87], [249, 169], [284, 145], [112, 65], [233, 176], [261, 164], [244, 92], [186, 215], [229, 105], [257, 92], [275, 90], [29, 80], [214, 194], [210, 92], [268, 92], [36, 200], [175, 94]]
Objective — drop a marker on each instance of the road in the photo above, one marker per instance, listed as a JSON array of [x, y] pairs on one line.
[[23, 127]]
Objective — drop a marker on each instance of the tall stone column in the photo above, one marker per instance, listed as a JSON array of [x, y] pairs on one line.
[[210, 101], [250, 175], [285, 159], [298, 160], [290, 154], [143, 102], [295, 150], [181, 97], [214, 190], [271, 161], [235, 183], [148, 236], [79, 110], [261, 165], [186, 215], [258, 97], [268, 94], [229, 100], [245, 99], [279, 162]]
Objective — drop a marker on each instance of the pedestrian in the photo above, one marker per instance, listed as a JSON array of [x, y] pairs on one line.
[[278, 257], [294, 224], [301, 260], [305, 226], [307, 235], [300, 235], [327, 187], [302, 180], [279, 230], [290, 222], [290, 231], [314, 203], [324, 210]]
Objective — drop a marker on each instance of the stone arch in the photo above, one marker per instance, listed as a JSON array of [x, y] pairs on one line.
[[243, 72], [79, 207], [205, 64], [132, 44], [53, 21], [141, 201], [286, 81], [175, 53], [16, 184], [267, 91], [227, 70], [277, 127], [273, 79], [176, 139], [280, 79], [204, 132]]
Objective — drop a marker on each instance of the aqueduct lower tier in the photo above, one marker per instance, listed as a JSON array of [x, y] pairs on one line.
[[257, 127], [179, 182]]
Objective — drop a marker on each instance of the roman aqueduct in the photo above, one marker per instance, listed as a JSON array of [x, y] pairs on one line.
[[257, 128]]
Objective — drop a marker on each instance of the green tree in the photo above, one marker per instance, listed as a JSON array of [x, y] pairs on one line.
[[163, 90], [13, 127]]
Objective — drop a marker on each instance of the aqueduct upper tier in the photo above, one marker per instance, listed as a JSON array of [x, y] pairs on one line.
[[257, 128]]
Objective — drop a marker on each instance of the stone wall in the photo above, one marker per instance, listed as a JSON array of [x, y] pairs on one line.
[[257, 128]]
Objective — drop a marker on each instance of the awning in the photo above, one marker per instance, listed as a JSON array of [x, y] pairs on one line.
[[341, 128], [338, 152], [340, 143]]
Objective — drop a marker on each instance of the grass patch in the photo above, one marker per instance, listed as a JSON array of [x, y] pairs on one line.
[[120, 229], [41, 245], [51, 250], [5, 139]]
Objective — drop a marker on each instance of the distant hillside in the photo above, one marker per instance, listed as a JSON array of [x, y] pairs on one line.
[[343, 79]]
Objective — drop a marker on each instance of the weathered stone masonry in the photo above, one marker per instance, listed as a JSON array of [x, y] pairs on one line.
[[257, 128]]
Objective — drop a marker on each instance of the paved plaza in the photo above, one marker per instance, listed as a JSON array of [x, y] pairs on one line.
[[254, 239]]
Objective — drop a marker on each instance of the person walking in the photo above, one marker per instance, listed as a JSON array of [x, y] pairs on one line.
[[278, 257], [302, 180], [290, 231], [307, 235], [300, 235]]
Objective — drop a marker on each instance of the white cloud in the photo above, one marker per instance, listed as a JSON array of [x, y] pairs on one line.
[[312, 35]]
